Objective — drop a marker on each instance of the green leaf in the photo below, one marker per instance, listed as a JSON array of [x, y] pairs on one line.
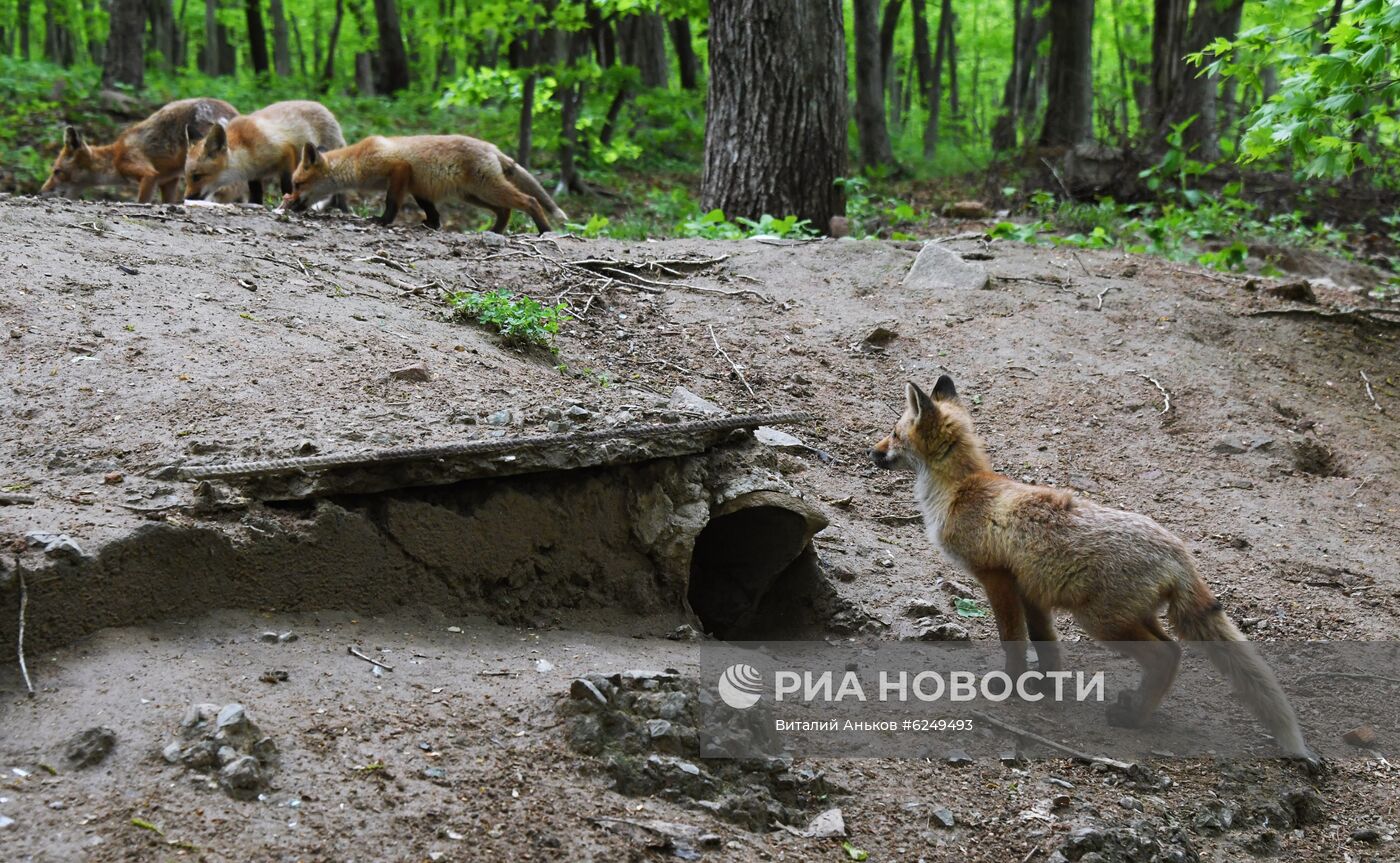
[[967, 607], [855, 853]]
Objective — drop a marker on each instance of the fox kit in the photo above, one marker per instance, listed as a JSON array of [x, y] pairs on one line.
[[430, 168], [150, 153], [1037, 549], [258, 146]]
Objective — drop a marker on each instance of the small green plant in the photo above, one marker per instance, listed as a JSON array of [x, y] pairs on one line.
[[714, 226], [968, 607], [519, 319]]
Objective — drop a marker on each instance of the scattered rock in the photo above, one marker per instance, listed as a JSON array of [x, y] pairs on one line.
[[1369, 835], [1236, 444], [242, 778], [586, 690], [274, 675], [417, 373], [943, 817], [113, 477], [958, 757], [940, 269], [839, 227], [268, 638], [928, 629], [1361, 735], [826, 825], [578, 413], [89, 746], [878, 338], [503, 417], [685, 632], [958, 588], [6, 822], [683, 399], [54, 544], [287, 637], [1305, 804], [967, 210], [543, 666], [779, 440], [1265, 843], [1295, 292]]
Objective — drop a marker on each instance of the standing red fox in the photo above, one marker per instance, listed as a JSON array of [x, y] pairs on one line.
[[263, 145], [151, 152], [1038, 549], [430, 168]]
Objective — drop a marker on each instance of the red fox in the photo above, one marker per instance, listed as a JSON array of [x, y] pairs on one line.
[[151, 152], [430, 168], [258, 146], [1038, 549]]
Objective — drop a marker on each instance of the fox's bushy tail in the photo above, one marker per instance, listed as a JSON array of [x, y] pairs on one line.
[[1197, 616], [522, 180]]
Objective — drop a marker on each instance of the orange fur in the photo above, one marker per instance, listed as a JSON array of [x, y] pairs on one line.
[[1038, 549], [150, 153], [264, 145], [430, 168]]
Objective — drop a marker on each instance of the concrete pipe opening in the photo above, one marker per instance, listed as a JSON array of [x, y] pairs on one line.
[[754, 574]]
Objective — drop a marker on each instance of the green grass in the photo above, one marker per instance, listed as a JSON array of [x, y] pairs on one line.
[[519, 319]]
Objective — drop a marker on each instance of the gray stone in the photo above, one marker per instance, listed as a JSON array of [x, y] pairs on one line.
[[683, 399], [287, 637], [779, 440], [586, 691], [55, 544], [943, 817], [1366, 834], [197, 715], [930, 630], [232, 717], [826, 825], [578, 413], [242, 778], [417, 373], [939, 269], [658, 728], [434, 773], [268, 638], [172, 753], [227, 754], [89, 746], [958, 757], [503, 417], [6, 822]]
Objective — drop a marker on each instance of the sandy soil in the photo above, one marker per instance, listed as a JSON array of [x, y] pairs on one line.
[[1272, 462]]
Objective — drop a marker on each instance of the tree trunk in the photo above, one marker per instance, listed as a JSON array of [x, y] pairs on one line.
[[643, 40], [889, 23], [281, 46], [257, 37], [570, 96], [393, 61], [365, 73], [58, 39], [1200, 92], [687, 63], [949, 20], [1027, 35], [775, 126], [162, 17], [126, 61], [874, 138], [22, 11], [1069, 117], [1169, 23], [328, 74], [934, 95], [526, 140], [923, 55]]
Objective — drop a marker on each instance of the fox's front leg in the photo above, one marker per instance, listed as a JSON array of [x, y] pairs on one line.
[[399, 179], [1005, 600]]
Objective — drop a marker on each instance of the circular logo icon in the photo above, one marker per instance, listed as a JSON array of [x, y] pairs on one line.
[[740, 686]]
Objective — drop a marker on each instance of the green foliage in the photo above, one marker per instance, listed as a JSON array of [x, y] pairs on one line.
[[1334, 104], [714, 226], [519, 319]]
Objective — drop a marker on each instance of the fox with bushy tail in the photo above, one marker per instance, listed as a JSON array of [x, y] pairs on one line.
[[1037, 549]]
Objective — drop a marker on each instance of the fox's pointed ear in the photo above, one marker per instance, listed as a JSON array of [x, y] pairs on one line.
[[216, 140], [919, 403], [191, 135], [944, 390], [309, 154], [72, 138]]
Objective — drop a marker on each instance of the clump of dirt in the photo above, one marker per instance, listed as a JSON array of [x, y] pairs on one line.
[[1312, 456], [643, 726]]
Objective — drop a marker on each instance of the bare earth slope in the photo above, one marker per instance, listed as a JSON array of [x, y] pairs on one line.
[[135, 338]]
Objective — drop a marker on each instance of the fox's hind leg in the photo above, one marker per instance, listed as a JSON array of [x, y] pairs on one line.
[[255, 192], [433, 220], [1159, 655], [502, 219], [168, 190], [1041, 625], [341, 203]]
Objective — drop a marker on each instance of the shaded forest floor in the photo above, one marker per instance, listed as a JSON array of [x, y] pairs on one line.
[[136, 338]]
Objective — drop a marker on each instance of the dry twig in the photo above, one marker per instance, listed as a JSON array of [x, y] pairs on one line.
[[19, 647], [722, 353], [1371, 395], [1166, 396], [1099, 307], [371, 660], [1112, 763]]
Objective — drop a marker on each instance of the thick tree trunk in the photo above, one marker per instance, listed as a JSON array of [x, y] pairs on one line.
[[923, 53], [574, 48], [393, 61], [643, 40], [219, 57], [1069, 117], [1200, 93], [1170, 19], [328, 73], [775, 128], [686, 62], [365, 73], [281, 46], [126, 61], [874, 138], [58, 39], [257, 37]]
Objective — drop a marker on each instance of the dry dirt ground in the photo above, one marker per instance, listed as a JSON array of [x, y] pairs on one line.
[[135, 338]]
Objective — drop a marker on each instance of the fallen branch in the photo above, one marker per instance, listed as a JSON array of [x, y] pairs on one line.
[[1111, 763], [1360, 316], [7, 498], [722, 353], [968, 235], [369, 659], [1347, 675], [23, 606]]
